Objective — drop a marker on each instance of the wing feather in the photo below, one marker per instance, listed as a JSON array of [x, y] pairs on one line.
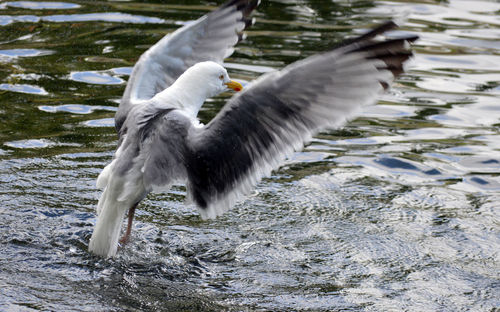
[[281, 111], [273, 117], [210, 38]]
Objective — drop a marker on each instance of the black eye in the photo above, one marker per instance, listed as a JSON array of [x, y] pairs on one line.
[[221, 77]]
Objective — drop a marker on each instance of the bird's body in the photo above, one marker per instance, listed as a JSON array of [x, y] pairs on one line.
[[161, 142], [154, 139]]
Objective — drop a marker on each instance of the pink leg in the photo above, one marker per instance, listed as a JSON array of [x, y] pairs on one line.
[[126, 237]]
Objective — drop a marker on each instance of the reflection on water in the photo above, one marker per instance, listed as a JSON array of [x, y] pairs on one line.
[[35, 5], [396, 211], [90, 17], [23, 88], [29, 143], [13, 53], [105, 122], [75, 108], [104, 17], [95, 78]]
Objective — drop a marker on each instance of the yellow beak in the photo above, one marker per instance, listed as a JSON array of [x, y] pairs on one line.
[[236, 86]]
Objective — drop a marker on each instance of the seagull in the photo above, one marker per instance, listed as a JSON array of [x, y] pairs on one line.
[[161, 142]]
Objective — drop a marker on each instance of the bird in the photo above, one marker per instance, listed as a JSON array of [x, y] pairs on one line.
[[161, 142]]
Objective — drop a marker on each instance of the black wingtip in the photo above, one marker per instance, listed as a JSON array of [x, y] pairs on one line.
[[232, 2], [245, 6], [411, 38], [380, 29], [248, 22], [397, 44], [367, 38], [394, 52], [250, 7]]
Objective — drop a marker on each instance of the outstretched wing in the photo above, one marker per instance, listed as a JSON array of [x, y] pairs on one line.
[[279, 113], [210, 38]]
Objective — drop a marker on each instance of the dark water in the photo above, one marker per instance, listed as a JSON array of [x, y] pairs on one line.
[[398, 211]]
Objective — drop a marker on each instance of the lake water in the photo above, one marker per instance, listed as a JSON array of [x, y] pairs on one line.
[[397, 211]]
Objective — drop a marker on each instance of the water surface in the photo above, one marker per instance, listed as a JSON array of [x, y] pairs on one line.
[[397, 211]]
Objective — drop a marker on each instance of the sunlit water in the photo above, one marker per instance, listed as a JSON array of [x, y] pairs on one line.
[[399, 210]]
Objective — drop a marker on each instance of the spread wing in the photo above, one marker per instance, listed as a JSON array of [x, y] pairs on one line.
[[210, 38], [259, 127], [280, 112]]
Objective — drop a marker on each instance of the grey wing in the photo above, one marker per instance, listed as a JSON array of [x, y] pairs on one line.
[[163, 147], [279, 113], [210, 38]]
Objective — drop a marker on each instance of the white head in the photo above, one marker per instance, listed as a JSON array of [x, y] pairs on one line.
[[208, 77], [195, 85]]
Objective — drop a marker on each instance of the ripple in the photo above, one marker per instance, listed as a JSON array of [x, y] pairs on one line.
[[74, 108], [7, 19], [31, 143], [485, 112], [251, 68], [487, 33], [306, 157], [432, 133], [455, 85], [463, 83], [23, 88], [15, 53], [374, 140], [398, 163], [33, 5], [126, 71], [94, 77], [400, 169], [481, 164], [457, 13], [31, 76], [105, 122], [476, 6], [112, 17], [473, 43], [483, 183], [389, 111], [394, 163], [483, 63], [115, 17]]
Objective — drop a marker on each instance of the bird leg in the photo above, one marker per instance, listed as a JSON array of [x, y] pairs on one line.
[[125, 238]]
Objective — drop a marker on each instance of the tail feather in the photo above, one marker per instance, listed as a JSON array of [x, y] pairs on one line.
[[120, 193], [104, 240]]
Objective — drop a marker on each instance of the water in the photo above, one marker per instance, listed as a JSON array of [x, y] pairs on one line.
[[396, 211]]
